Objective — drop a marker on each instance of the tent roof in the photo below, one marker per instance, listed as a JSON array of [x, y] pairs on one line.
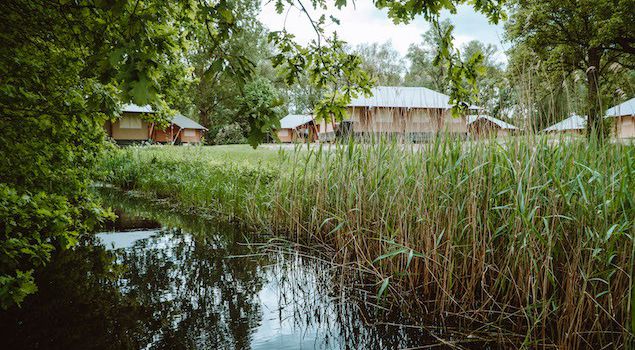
[[625, 108], [184, 122], [400, 96], [179, 120], [503, 125], [292, 121], [574, 122], [133, 108]]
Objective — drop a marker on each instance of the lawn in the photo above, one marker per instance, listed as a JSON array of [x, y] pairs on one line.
[[236, 154]]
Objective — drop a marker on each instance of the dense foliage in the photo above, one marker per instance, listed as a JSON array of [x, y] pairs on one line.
[[64, 68], [262, 106], [223, 71], [230, 134], [593, 38], [382, 62]]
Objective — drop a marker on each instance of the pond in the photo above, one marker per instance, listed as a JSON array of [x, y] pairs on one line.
[[159, 280]]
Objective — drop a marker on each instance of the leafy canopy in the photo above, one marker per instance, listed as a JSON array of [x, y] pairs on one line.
[[592, 37], [343, 74]]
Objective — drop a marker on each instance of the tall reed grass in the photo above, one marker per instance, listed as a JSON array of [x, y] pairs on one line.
[[531, 235]]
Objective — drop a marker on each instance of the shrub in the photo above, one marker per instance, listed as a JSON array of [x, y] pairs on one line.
[[31, 225], [46, 167], [230, 134]]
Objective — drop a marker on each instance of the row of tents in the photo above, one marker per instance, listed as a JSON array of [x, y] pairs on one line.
[[623, 116], [415, 113], [418, 113]]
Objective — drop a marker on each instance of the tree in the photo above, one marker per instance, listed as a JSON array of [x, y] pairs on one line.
[[494, 92], [588, 36], [422, 70], [65, 67], [382, 62], [302, 96], [541, 96], [262, 106], [218, 68]]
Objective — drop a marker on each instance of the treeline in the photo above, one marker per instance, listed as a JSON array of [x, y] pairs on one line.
[[526, 84]]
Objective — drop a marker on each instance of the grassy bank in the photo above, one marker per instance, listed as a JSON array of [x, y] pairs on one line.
[[530, 236], [227, 181]]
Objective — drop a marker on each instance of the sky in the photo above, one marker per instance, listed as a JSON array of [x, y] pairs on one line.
[[363, 23]]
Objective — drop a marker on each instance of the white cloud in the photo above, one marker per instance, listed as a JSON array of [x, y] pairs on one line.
[[363, 23]]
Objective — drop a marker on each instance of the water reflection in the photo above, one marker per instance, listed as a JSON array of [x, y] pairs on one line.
[[78, 306], [181, 282]]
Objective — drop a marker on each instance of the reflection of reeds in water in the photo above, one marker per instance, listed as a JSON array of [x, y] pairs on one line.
[[334, 305]]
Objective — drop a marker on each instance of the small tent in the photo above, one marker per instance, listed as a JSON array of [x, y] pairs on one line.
[[575, 124], [132, 127], [484, 125], [295, 127], [624, 119]]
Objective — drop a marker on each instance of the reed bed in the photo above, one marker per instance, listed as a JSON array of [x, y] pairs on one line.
[[531, 235]]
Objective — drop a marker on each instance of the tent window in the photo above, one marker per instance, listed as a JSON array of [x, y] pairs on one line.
[[130, 123]]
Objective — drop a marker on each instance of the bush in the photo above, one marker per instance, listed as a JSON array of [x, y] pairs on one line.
[[29, 224], [230, 134], [45, 201]]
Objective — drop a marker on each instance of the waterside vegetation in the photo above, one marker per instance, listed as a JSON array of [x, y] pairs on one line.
[[531, 236]]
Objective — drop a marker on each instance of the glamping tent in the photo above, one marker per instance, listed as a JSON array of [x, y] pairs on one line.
[[415, 112], [484, 125], [132, 128], [624, 118], [296, 127], [327, 130], [575, 124], [181, 130]]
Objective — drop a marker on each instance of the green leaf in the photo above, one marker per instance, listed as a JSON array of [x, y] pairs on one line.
[[383, 288], [390, 254]]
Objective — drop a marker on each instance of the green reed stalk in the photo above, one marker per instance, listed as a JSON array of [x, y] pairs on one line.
[[530, 234]]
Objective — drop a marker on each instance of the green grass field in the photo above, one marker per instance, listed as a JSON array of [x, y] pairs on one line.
[[237, 154]]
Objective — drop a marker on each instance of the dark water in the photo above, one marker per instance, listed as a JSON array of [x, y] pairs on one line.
[[158, 280]]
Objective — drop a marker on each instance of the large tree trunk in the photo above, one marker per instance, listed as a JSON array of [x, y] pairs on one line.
[[203, 118], [594, 122]]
